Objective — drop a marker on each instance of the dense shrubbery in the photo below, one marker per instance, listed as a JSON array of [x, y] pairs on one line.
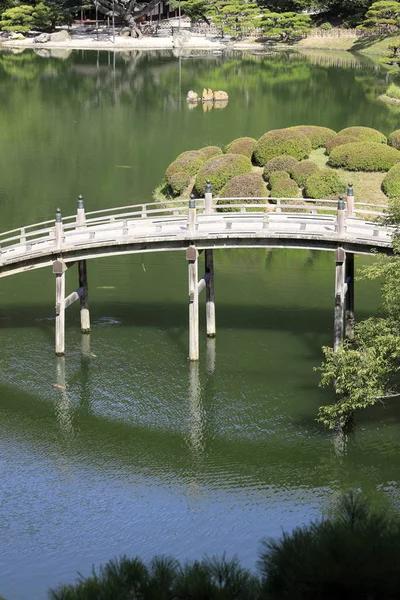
[[364, 134], [394, 139], [279, 163], [178, 183], [391, 182], [210, 151], [339, 140], [324, 184], [188, 162], [277, 176], [243, 146], [285, 188], [363, 156], [318, 136], [302, 171], [249, 184], [220, 170], [281, 141]]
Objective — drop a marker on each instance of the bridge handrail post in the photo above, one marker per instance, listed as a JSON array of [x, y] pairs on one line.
[[341, 217], [192, 215], [208, 198], [58, 229], [350, 200], [80, 214]]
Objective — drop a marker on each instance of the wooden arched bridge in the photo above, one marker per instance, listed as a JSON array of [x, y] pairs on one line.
[[194, 226]]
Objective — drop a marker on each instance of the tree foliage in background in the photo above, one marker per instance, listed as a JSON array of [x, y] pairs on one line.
[[286, 26], [383, 15], [128, 12], [234, 16]]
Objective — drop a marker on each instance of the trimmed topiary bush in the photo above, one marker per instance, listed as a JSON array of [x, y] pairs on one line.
[[302, 171], [278, 176], [339, 140], [279, 163], [210, 151], [178, 183], [248, 185], [391, 182], [285, 188], [281, 141], [324, 184], [365, 134], [364, 157], [318, 136], [188, 162], [219, 170], [394, 139], [243, 146]]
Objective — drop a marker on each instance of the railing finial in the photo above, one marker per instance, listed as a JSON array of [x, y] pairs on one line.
[[58, 215], [80, 201]]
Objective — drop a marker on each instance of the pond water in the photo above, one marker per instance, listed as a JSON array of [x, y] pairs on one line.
[[143, 453]]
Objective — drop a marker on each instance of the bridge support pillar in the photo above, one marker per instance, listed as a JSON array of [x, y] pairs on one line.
[[192, 256], [349, 316], [210, 302], [83, 284], [340, 269], [60, 313]]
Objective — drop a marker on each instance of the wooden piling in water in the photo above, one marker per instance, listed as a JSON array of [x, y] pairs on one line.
[[192, 258], [210, 301], [84, 302], [340, 267], [60, 310], [349, 315]]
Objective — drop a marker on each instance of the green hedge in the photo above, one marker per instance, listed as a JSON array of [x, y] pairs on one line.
[[324, 184], [178, 183], [285, 188], [363, 156], [210, 151], [364, 134], [277, 176], [279, 163], [318, 136], [281, 141], [243, 146], [249, 184], [219, 170], [394, 139], [188, 162], [302, 171], [391, 182], [339, 140]]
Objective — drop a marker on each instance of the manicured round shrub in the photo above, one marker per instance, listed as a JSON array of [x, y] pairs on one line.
[[243, 146], [285, 188], [391, 182], [394, 139], [279, 163], [281, 141], [324, 184], [302, 171], [188, 162], [221, 169], [365, 134], [364, 157], [278, 176], [318, 136], [178, 183], [210, 151], [339, 140], [249, 186]]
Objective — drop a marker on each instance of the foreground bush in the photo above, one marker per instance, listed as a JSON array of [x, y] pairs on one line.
[[220, 170], [339, 140], [281, 141], [391, 182], [210, 151], [364, 134], [394, 139], [302, 171], [285, 188], [318, 136], [243, 146], [279, 163], [364, 157], [278, 176], [188, 162], [324, 184], [249, 184], [178, 183]]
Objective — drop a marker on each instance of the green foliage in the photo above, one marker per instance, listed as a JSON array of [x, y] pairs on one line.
[[339, 140], [285, 25], [44, 17], [210, 151], [324, 184], [249, 184], [233, 16], [19, 19], [277, 176], [219, 170], [326, 26], [391, 182], [393, 91], [178, 183], [364, 134], [243, 146], [281, 142], [285, 188], [279, 163], [394, 139], [302, 171], [318, 136], [189, 162], [384, 15], [364, 157]]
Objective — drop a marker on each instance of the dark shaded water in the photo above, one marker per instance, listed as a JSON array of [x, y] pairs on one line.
[[142, 453]]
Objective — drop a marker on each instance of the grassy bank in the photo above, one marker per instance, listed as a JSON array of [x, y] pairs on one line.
[[377, 45]]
